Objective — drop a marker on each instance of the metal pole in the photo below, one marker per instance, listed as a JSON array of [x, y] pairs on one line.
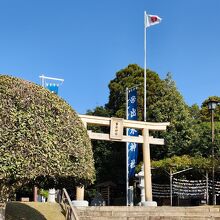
[[42, 80], [127, 180], [42, 77], [171, 188], [145, 71], [213, 157], [207, 187], [52, 78], [171, 182]]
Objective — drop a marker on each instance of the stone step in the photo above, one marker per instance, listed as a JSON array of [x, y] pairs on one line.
[[161, 208], [134, 214], [149, 218], [148, 213]]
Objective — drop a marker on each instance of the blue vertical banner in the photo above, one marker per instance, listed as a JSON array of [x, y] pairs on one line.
[[52, 87], [132, 147]]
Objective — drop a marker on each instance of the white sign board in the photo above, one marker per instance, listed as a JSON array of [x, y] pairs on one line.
[[116, 128]]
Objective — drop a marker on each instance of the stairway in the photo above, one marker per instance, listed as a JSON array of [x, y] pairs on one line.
[[148, 213]]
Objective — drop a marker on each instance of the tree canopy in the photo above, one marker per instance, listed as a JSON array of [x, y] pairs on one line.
[[164, 103], [42, 139], [202, 141], [189, 132]]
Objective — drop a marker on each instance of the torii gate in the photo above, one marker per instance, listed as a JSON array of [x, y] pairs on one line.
[[117, 126]]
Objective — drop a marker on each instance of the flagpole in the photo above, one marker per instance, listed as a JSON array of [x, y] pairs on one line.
[[127, 180], [145, 70]]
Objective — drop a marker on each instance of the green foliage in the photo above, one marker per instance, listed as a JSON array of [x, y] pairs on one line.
[[205, 114], [127, 78], [187, 139], [202, 141], [177, 163], [195, 113], [171, 107], [44, 193], [41, 138], [164, 103]]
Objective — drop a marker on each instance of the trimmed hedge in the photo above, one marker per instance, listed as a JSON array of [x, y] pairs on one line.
[[41, 138]]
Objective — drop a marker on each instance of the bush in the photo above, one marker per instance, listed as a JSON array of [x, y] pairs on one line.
[[42, 139]]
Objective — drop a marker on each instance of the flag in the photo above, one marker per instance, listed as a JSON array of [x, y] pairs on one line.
[[132, 148], [52, 87], [151, 20], [132, 153]]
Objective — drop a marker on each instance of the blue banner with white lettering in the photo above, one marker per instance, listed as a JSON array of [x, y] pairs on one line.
[[52, 87], [132, 147]]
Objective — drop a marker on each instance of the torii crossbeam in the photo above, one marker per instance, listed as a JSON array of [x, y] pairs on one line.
[[117, 126]]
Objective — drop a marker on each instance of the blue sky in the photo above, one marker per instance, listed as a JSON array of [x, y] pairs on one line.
[[86, 42]]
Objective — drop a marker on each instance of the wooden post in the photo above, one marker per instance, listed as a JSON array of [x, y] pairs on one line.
[[147, 166], [108, 195], [35, 194], [80, 193]]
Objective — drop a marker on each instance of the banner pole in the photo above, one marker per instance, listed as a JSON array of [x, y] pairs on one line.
[[127, 180]]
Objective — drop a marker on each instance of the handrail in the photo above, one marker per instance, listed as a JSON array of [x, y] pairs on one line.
[[67, 206]]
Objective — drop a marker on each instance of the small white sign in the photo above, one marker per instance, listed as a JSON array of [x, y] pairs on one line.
[[116, 130]]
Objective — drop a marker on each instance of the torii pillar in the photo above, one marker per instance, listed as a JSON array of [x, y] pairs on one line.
[[147, 170]]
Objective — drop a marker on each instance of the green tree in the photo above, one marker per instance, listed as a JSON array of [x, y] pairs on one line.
[[42, 140], [170, 106], [164, 103], [176, 163], [204, 112], [195, 113], [126, 78], [202, 141]]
